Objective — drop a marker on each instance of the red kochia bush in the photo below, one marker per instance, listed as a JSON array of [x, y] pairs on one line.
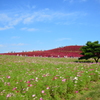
[[67, 51]]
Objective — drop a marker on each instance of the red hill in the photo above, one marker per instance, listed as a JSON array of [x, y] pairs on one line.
[[67, 51]]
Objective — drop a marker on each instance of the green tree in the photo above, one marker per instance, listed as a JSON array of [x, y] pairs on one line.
[[91, 50]]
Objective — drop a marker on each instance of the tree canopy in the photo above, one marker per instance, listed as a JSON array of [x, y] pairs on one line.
[[91, 50]]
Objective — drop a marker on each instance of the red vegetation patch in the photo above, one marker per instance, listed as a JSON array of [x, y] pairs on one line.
[[67, 51]]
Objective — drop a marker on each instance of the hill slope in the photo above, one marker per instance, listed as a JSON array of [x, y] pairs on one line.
[[67, 51]]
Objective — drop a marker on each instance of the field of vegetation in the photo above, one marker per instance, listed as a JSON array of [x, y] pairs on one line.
[[38, 78]]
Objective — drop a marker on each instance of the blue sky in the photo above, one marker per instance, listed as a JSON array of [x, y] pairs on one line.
[[27, 25]]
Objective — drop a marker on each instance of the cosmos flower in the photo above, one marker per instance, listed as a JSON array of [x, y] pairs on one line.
[[33, 95], [8, 77], [42, 91], [63, 80], [76, 91], [75, 78]]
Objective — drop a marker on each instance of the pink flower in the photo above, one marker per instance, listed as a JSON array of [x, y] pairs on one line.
[[42, 91], [91, 69], [14, 88], [8, 84], [44, 76], [55, 78], [30, 85], [33, 95], [24, 91], [8, 95], [64, 80], [76, 91], [8, 77], [28, 82], [41, 98], [48, 88]]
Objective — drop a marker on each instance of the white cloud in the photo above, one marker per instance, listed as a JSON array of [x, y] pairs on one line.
[[45, 16], [83, 0], [29, 29], [4, 18], [65, 23], [1, 45], [28, 19], [15, 37], [21, 44], [15, 21], [4, 21], [71, 1], [5, 28], [18, 44], [63, 39], [39, 16], [65, 15], [10, 20], [28, 6]]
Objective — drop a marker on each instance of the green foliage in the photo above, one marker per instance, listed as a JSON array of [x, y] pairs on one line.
[[93, 94], [91, 50]]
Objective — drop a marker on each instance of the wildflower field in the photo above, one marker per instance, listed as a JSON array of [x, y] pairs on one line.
[[37, 78]]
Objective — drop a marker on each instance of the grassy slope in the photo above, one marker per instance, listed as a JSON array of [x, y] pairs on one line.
[[85, 94]]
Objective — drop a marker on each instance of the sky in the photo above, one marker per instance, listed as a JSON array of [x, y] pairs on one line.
[[28, 25]]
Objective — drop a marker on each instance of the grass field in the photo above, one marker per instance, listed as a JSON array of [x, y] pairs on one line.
[[37, 78]]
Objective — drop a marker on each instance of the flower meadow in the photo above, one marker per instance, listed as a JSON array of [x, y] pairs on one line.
[[37, 78]]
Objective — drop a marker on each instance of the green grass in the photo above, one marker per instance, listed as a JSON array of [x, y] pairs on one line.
[[37, 78], [92, 94]]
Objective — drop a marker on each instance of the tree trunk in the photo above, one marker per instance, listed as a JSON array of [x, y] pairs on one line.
[[96, 60]]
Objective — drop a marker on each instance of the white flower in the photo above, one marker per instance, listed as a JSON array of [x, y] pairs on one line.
[[27, 88], [75, 78]]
